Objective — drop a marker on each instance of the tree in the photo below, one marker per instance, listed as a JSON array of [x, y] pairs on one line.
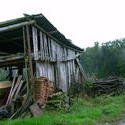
[[105, 60]]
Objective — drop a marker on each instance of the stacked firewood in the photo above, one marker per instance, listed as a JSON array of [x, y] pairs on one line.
[[43, 89], [111, 86], [58, 101]]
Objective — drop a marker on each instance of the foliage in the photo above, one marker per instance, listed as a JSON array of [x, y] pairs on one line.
[[83, 112], [3, 74], [89, 86], [105, 60]]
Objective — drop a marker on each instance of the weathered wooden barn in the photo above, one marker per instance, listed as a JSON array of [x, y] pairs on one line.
[[33, 44]]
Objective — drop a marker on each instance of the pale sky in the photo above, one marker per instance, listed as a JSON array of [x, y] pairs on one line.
[[82, 21]]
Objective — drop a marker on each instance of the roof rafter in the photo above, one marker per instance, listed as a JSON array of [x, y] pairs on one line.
[[15, 26]]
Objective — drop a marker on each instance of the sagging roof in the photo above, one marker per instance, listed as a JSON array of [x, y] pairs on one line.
[[43, 23]]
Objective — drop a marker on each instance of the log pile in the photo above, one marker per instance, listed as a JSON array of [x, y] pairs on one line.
[[58, 101], [111, 86], [46, 96], [43, 89]]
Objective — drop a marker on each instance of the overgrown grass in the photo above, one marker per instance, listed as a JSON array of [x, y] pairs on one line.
[[83, 112]]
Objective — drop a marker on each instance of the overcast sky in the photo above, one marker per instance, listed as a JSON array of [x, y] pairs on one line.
[[82, 21]]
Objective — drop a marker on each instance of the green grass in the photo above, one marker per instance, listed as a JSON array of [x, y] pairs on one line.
[[83, 112]]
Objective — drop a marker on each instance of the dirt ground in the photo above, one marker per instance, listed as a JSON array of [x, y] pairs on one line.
[[117, 123]]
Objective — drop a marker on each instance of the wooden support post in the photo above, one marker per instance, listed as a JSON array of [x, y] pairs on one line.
[[81, 69], [28, 55], [26, 58], [29, 52]]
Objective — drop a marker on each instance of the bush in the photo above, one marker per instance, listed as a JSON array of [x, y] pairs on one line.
[[3, 74]]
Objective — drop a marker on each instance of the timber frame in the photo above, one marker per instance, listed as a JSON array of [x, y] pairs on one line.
[[33, 43]]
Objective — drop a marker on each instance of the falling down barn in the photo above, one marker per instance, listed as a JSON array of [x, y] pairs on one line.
[[32, 46]]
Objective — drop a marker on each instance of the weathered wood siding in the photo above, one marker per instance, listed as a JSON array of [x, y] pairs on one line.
[[54, 61]]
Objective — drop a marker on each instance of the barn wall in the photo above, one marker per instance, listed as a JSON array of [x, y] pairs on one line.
[[54, 61]]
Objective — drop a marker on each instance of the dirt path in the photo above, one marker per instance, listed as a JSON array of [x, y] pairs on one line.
[[121, 123], [118, 123]]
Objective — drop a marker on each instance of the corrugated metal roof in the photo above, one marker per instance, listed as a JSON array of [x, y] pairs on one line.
[[45, 24]]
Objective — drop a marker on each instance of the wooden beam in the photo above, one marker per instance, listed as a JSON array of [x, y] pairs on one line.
[[81, 69], [10, 57], [29, 52], [3, 53], [35, 43], [28, 56], [11, 63], [15, 26]]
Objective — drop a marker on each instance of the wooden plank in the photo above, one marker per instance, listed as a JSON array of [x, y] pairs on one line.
[[54, 51], [69, 74], [14, 89], [29, 53], [26, 57], [81, 69], [35, 43], [58, 52], [65, 54], [49, 48], [45, 46], [41, 46], [18, 89], [15, 26], [11, 63], [57, 74], [11, 57], [13, 83], [62, 77], [74, 68]]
